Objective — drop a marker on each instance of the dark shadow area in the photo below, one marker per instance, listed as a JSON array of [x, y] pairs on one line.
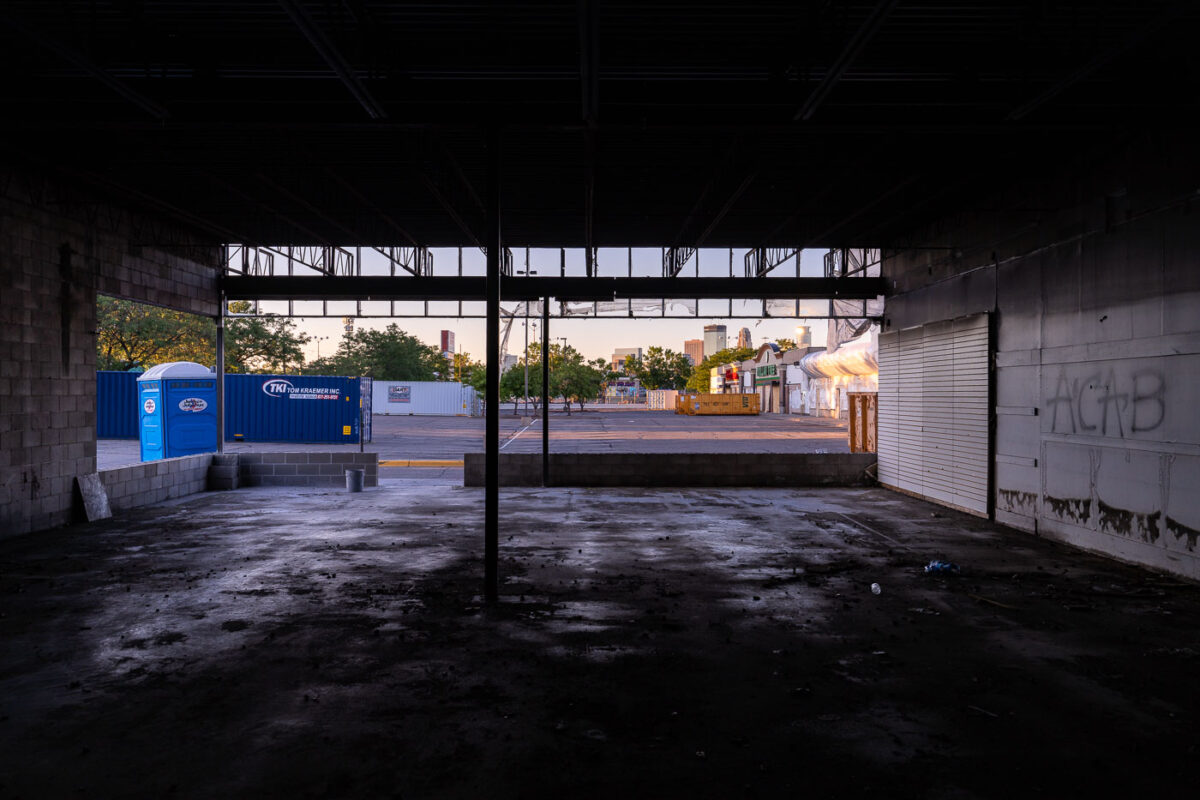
[[307, 643]]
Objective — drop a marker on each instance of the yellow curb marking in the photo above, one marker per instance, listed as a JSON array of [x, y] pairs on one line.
[[428, 463]]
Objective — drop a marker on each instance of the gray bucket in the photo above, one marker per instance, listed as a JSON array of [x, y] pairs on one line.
[[354, 480]]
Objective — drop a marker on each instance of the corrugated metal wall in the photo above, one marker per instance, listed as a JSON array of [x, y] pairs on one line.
[[116, 405], [282, 408], [444, 398], [933, 411]]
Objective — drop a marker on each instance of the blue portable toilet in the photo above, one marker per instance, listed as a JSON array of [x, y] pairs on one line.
[[177, 410]]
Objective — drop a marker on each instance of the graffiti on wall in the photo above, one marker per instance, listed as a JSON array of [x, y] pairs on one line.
[[1108, 402]]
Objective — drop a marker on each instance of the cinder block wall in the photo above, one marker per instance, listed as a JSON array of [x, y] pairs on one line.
[[60, 245], [676, 469], [155, 481], [1092, 272], [305, 469]]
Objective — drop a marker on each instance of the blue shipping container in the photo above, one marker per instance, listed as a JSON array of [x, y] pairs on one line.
[[116, 405], [288, 408]]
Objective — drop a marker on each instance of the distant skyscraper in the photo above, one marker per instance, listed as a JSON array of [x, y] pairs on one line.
[[447, 341], [803, 336], [714, 339], [694, 350], [744, 338]]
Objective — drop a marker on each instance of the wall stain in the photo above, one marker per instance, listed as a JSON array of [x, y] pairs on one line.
[[1076, 509], [1129, 523], [1179, 530], [1015, 500]]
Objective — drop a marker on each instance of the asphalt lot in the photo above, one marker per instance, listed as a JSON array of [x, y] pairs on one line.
[[448, 438]]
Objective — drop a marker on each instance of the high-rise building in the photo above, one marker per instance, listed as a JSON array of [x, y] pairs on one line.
[[714, 339], [744, 338], [621, 353], [694, 350], [803, 336], [447, 341]]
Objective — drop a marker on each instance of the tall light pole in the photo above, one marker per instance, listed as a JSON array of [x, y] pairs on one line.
[[527, 271], [320, 339]]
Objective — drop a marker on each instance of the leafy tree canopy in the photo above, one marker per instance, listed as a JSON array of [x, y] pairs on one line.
[[135, 335], [660, 369], [385, 355]]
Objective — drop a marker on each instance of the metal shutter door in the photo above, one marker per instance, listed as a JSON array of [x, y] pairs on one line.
[[933, 414]]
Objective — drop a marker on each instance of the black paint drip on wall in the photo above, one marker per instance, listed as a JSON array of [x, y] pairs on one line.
[[1075, 509], [1179, 530], [1129, 523]]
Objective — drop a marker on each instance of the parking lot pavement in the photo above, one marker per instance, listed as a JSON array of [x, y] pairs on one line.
[[626, 431]]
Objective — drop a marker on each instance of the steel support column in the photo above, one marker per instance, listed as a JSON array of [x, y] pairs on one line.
[[491, 511], [545, 391], [220, 368]]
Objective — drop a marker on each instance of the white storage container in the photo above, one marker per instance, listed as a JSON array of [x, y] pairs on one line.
[[661, 399], [435, 398]]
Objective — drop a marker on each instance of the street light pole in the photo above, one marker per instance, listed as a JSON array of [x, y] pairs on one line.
[[526, 359]]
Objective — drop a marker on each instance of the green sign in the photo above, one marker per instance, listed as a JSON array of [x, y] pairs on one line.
[[767, 373]]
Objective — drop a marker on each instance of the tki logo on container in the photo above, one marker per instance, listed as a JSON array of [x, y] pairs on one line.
[[193, 404], [280, 387]]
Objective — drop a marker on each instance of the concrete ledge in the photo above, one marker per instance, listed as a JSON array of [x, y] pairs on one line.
[[306, 469], [676, 469], [155, 481]]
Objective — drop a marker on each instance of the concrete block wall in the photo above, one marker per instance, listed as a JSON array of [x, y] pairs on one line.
[[676, 469], [1093, 275], [60, 245], [155, 481], [305, 469]]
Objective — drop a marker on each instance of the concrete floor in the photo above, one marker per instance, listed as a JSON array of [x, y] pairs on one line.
[[698, 644]]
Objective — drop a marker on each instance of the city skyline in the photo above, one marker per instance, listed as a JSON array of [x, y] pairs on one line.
[[594, 338]]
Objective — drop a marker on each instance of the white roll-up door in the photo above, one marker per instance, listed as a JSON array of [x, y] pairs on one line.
[[933, 411]]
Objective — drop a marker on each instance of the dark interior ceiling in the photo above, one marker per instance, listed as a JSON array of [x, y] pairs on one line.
[[644, 123]]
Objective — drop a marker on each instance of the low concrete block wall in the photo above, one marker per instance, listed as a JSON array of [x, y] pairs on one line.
[[305, 469], [676, 469], [155, 481]]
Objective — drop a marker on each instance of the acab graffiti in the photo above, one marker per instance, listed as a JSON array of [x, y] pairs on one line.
[[1108, 402]]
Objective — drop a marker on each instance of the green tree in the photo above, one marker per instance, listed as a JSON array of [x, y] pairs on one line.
[[130, 335], [576, 380], [698, 382], [262, 343], [661, 369], [786, 344], [385, 355]]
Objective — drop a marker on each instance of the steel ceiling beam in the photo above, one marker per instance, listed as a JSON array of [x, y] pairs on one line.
[[589, 72], [333, 57], [84, 63], [854, 46], [1098, 61], [248, 287]]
